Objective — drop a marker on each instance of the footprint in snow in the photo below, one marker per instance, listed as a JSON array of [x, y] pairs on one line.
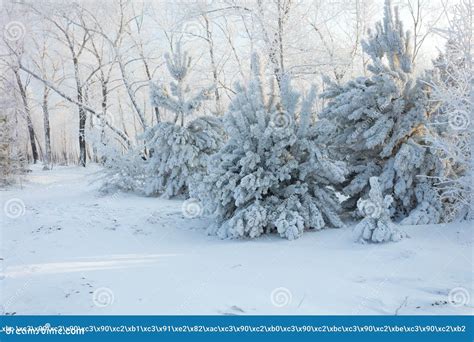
[[233, 310], [48, 229]]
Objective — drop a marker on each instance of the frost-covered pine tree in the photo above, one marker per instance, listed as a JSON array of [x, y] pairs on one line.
[[179, 154], [376, 226], [378, 125], [454, 122], [179, 149], [272, 174]]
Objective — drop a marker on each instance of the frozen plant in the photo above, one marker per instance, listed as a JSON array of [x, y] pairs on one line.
[[123, 171], [179, 154], [376, 226], [378, 125], [272, 175], [179, 149]]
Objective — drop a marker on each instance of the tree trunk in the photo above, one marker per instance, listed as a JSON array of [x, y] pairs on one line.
[[213, 65], [82, 115], [104, 86], [47, 131], [156, 110], [31, 130], [82, 137]]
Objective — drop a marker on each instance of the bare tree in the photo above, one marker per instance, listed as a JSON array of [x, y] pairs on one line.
[[274, 39], [48, 67], [22, 86], [421, 24], [210, 42], [16, 50], [115, 39], [70, 29], [62, 19]]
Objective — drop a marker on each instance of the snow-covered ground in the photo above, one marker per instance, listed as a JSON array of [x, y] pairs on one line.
[[75, 251]]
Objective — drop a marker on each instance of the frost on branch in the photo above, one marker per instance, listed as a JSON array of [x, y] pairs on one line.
[[178, 98], [179, 154], [454, 122], [272, 175], [12, 161], [123, 171], [379, 127], [376, 226]]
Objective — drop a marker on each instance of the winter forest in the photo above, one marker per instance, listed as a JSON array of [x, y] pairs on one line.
[[236, 157]]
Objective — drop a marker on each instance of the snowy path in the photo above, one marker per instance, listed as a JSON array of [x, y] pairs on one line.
[[73, 251]]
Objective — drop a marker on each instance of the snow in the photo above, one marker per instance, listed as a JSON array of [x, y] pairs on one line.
[[75, 251]]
